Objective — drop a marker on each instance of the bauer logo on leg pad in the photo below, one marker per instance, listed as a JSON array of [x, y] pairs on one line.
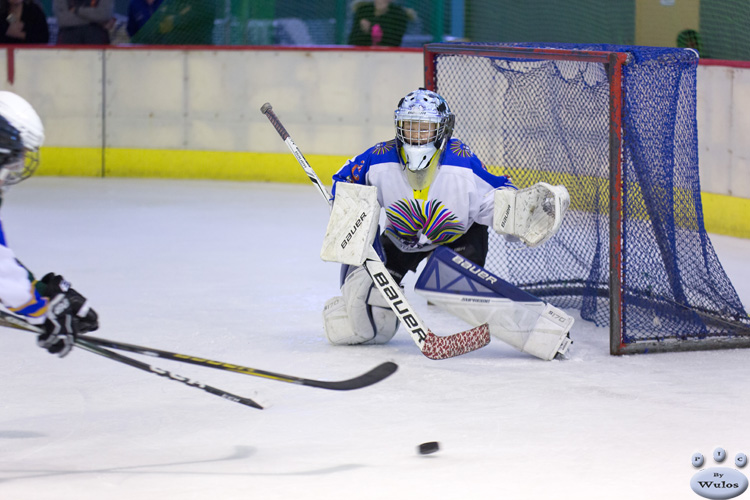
[[474, 269], [448, 272]]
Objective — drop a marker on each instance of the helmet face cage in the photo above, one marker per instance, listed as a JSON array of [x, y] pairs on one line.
[[16, 161], [424, 124], [417, 131], [19, 168], [423, 118]]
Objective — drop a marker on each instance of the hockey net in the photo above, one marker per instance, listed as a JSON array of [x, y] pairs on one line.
[[617, 126]]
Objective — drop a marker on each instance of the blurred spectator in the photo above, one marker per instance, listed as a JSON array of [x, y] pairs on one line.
[[180, 22], [140, 11], [83, 21], [379, 23], [690, 39], [22, 21]]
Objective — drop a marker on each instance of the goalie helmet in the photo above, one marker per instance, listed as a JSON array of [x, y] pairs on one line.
[[21, 136], [424, 124]]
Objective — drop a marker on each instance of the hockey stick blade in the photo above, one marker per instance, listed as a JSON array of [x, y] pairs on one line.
[[431, 345], [373, 376]]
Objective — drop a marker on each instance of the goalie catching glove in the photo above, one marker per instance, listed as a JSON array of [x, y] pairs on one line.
[[68, 315], [533, 214]]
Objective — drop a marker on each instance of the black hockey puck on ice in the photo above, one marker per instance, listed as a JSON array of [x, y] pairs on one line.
[[429, 447]]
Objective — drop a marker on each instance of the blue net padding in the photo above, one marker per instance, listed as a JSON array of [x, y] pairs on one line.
[[548, 120]]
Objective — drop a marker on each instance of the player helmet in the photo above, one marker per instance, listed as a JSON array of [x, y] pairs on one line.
[[424, 124], [21, 136]]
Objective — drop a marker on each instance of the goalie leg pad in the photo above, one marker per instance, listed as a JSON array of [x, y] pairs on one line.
[[535, 328], [360, 315], [336, 322], [546, 339], [477, 296]]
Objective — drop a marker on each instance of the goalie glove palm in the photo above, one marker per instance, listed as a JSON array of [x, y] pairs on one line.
[[533, 214]]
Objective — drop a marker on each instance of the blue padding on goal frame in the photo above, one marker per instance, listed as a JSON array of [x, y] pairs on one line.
[[448, 272]]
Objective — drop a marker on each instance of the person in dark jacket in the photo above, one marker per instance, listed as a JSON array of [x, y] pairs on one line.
[[22, 21], [83, 22]]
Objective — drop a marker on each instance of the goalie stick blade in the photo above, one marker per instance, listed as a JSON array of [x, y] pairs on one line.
[[375, 375], [455, 345]]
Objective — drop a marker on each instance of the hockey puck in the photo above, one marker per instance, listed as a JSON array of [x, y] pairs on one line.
[[429, 447]]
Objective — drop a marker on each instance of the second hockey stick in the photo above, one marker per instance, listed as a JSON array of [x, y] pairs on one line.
[[431, 345], [373, 376], [97, 349], [11, 321]]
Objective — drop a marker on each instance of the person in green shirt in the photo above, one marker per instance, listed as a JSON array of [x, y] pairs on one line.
[[379, 23]]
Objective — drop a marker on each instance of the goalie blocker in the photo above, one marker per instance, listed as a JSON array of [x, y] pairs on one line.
[[475, 295], [353, 224]]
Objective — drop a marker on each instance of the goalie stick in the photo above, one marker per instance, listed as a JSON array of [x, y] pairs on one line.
[[373, 376], [11, 321], [431, 345]]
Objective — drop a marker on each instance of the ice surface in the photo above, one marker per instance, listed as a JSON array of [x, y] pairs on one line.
[[230, 271]]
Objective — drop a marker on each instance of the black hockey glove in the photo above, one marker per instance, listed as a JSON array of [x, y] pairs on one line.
[[68, 315]]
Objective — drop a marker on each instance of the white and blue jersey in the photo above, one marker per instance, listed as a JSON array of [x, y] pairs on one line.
[[460, 195], [18, 287]]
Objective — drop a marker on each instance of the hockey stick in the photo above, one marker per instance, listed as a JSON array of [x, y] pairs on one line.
[[11, 321], [96, 349], [431, 345], [380, 372], [373, 376]]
